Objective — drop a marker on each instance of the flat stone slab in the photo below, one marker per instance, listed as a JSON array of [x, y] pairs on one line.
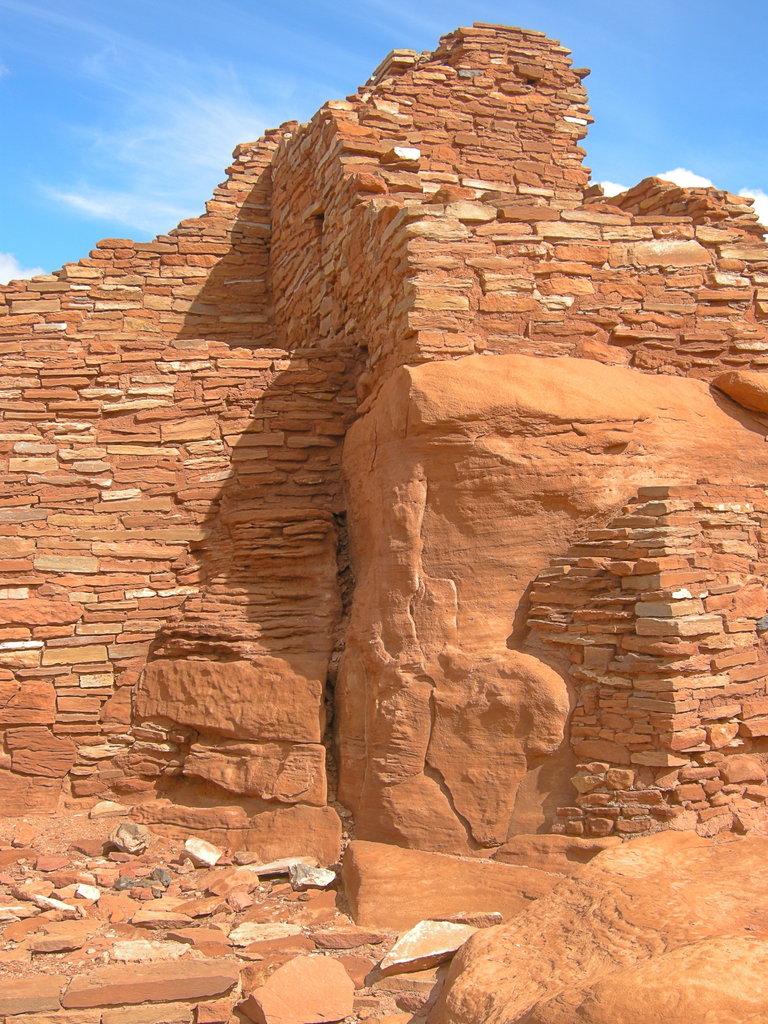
[[427, 944], [306, 990], [31, 995], [150, 983]]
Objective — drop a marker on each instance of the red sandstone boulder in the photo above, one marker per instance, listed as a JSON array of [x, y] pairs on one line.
[[388, 887], [747, 387], [466, 478], [266, 700], [668, 928], [562, 854], [301, 830], [287, 772]]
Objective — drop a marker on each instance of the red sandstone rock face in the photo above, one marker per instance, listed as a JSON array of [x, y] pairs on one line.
[[666, 928], [482, 471]]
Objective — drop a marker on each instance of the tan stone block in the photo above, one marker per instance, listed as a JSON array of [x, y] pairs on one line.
[[86, 654], [66, 563]]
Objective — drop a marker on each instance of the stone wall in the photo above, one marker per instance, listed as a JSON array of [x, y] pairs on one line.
[[662, 613], [176, 589]]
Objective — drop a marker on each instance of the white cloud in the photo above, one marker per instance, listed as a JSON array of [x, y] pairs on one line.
[[12, 270], [169, 126], [163, 160], [685, 179], [135, 210], [761, 202], [612, 188]]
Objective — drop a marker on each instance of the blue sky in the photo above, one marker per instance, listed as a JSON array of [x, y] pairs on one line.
[[119, 116]]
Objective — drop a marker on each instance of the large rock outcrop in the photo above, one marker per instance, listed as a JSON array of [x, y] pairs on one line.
[[667, 928], [465, 480]]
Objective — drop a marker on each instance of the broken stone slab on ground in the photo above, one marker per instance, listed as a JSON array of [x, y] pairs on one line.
[[427, 944], [153, 983], [306, 990], [253, 931]]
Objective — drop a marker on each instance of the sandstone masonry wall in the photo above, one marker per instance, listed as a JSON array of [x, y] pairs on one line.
[[172, 527]]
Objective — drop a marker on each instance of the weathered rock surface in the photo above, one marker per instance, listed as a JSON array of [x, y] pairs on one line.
[[746, 387], [447, 737], [287, 772], [116, 986], [391, 887], [670, 927], [562, 854], [263, 701], [307, 990], [306, 831]]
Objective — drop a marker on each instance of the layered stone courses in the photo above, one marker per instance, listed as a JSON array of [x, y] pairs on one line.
[[173, 419], [662, 614]]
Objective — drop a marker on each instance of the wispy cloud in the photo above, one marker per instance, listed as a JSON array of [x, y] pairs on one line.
[[164, 159], [163, 132], [135, 210], [12, 270]]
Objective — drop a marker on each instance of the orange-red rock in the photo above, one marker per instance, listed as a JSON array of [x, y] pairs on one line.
[[30, 995], [670, 927], [746, 387], [306, 990], [388, 887], [36, 751], [157, 983], [562, 854]]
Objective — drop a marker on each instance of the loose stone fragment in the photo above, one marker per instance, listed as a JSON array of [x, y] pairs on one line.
[[304, 877], [108, 809], [202, 853], [129, 837], [154, 983], [253, 931], [425, 945]]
